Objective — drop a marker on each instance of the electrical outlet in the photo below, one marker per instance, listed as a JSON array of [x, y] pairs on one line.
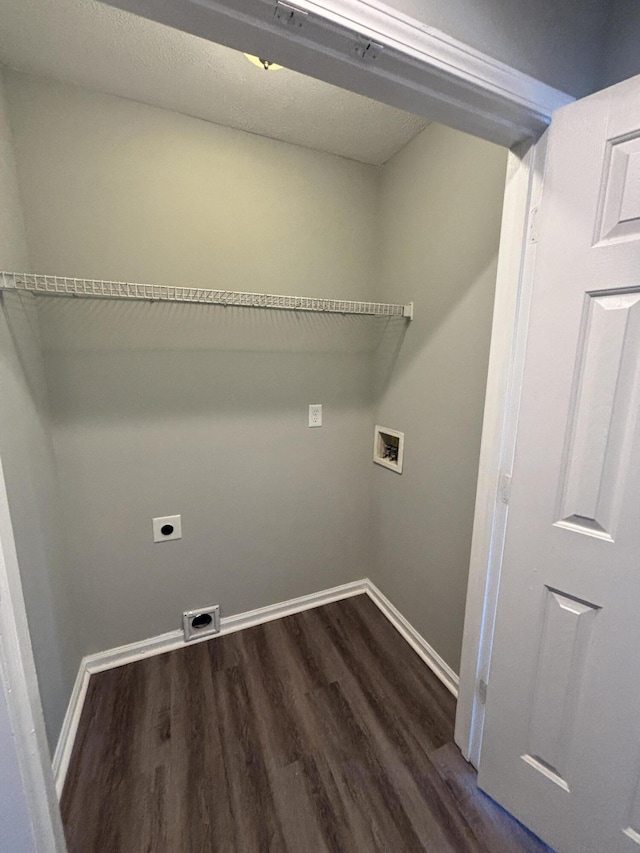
[[315, 415], [166, 528]]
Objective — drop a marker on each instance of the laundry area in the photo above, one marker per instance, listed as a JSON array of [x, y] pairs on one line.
[[244, 344]]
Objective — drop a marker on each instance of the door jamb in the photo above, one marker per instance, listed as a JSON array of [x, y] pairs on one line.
[[20, 685], [449, 69], [374, 49], [514, 285]]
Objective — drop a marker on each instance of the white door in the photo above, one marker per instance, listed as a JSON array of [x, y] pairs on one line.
[[561, 747]]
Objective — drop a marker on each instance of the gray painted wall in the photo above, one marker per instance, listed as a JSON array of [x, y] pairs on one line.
[[15, 826], [622, 47], [441, 202], [13, 244], [557, 41], [27, 454], [161, 409], [114, 189]]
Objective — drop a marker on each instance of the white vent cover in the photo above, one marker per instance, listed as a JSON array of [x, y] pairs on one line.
[[201, 623]]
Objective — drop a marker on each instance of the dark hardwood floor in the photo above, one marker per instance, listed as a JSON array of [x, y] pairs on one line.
[[317, 733]]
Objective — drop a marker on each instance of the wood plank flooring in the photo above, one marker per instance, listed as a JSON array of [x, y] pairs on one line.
[[321, 732]]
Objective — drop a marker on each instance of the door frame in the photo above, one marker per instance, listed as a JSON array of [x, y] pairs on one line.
[[408, 65], [19, 687], [514, 286], [365, 46]]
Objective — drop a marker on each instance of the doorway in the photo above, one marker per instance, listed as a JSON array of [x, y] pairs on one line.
[[391, 425]]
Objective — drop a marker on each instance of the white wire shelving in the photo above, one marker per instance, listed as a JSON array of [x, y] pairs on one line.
[[52, 285]]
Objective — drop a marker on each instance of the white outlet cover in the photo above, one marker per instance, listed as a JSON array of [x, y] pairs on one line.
[[167, 521], [315, 415]]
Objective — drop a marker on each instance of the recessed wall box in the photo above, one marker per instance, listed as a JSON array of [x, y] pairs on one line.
[[388, 448], [201, 623], [166, 528]]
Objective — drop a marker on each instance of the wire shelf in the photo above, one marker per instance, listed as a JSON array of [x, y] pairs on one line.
[[52, 285]]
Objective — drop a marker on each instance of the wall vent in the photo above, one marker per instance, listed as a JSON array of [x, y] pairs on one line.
[[201, 623]]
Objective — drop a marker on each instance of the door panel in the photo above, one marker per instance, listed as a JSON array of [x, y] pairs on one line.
[[600, 424], [562, 651], [619, 213], [561, 747]]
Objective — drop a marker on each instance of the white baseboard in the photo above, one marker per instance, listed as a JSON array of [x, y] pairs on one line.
[[228, 624], [113, 658], [64, 747], [417, 642]]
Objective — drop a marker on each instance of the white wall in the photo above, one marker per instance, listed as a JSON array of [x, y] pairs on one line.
[[15, 828], [441, 203], [622, 45], [161, 409], [557, 41]]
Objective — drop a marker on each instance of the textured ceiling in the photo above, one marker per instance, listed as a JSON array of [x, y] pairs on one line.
[[97, 46]]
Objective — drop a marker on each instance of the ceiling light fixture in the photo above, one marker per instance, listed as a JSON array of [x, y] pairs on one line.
[[263, 63]]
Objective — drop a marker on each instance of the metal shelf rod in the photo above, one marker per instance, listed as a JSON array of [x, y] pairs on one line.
[[52, 285]]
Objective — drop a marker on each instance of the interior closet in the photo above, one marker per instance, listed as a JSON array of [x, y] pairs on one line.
[[119, 410]]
